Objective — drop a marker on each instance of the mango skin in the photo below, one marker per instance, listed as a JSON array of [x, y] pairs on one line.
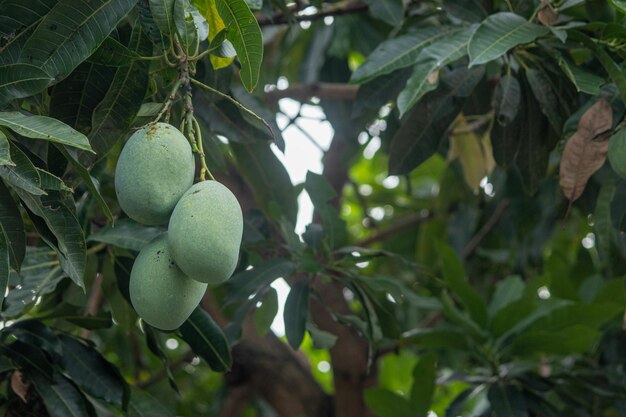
[[162, 295], [205, 232], [154, 170]]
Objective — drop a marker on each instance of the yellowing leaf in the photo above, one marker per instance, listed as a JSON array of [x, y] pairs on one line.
[[585, 152], [473, 152], [208, 10]]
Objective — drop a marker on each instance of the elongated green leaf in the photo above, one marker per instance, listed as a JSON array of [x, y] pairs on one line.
[[268, 178], [91, 372], [245, 35], [114, 115], [619, 5], [70, 32], [225, 118], [425, 74], [378, 92], [185, 26], [584, 81], [508, 97], [385, 403], [541, 86], [88, 181], [13, 227], [142, 404], [21, 80], [468, 10], [389, 11], [17, 23], [251, 281], [46, 128], [29, 358], [207, 340], [602, 220], [74, 99], [296, 313], [112, 53], [507, 291], [499, 33], [424, 380], [424, 127], [5, 262], [265, 314], [506, 401], [127, 234], [454, 275], [147, 21], [398, 53], [52, 182], [35, 333], [5, 153], [70, 242], [567, 341], [163, 15], [61, 397], [23, 174]]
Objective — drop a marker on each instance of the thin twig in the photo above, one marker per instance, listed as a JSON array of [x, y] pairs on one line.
[[398, 227], [304, 92], [492, 222], [342, 9]]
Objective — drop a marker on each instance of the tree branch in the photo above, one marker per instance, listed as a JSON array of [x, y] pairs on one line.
[[304, 92], [397, 227], [492, 222], [338, 10]]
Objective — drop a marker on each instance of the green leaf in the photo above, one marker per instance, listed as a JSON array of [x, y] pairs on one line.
[[389, 11], [584, 81], [152, 335], [424, 127], [508, 96], [398, 53], [236, 124], [619, 5], [13, 227], [163, 15], [454, 276], [52, 182], [23, 174], [127, 234], [207, 340], [88, 181], [567, 341], [185, 26], [74, 99], [617, 152], [5, 263], [147, 21], [91, 372], [384, 403], [21, 80], [265, 314], [430, 60], [112, 53], [602, 220], [35, 333], [268, 178], [541, 86], [499, 33], [46, 128], [296, 313], [69, 241], [245, 35], [251, 281], [5, 153], [28, 358], [506, 401], [507, 291], [61, 398], [76, 316], [113, 116], [70, 32], [468, 10], [376, 93], [424, 383], [142, 404], [437, 339]]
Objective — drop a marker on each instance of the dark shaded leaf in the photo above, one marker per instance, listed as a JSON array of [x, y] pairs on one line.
[[423, 128], [13, 227], [127, 234], [35, 333], [163, 16], [507, 99], [21, 80], [296, 313], [541, 86], [506, 401], [28, 358], [112, 53], [251, 281], [142, 404], [381, 90], [23, 174], [385, 403], [92, 373], [424, 383], [207, 340], [389, 11], [70, 32], [61, 397], [468, 10], [45, 128]]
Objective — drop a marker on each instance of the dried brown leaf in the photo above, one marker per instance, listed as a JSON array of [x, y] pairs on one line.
[[546, 14], [586, 151], [18, 385]]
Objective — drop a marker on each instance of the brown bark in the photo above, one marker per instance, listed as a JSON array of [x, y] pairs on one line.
[[304, 92]]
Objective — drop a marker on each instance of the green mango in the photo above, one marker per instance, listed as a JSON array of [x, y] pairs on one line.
[[205, 232], [154, 170], [162, 295], [617, 153]]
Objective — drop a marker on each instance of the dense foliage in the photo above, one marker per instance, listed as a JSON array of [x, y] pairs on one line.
[[484, 277]]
